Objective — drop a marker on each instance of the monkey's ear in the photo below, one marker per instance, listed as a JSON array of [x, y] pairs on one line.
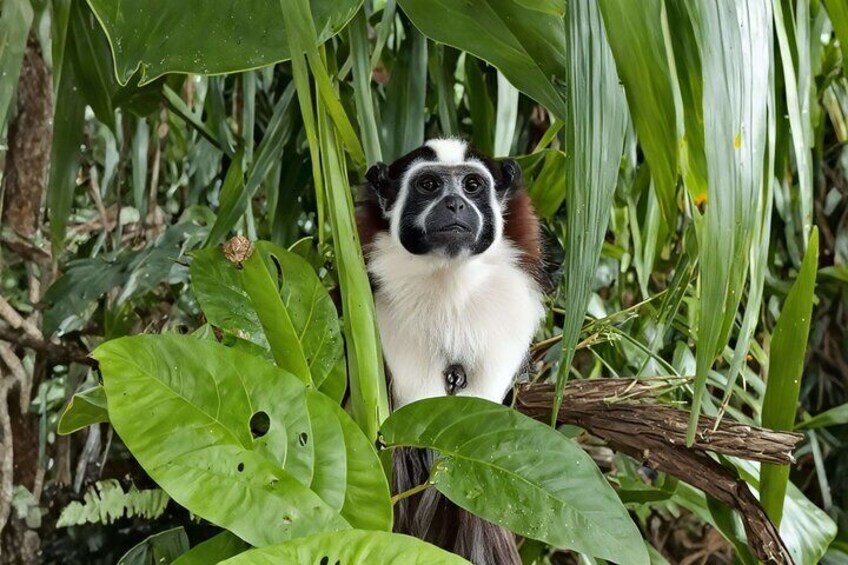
[[377, 175], [510, 180], [381, 185]]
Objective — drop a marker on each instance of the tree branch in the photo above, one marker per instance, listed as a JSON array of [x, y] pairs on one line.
[[620, 411], [55, 351]]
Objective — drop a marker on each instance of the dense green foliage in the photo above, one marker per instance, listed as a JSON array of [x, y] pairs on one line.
[[689, 160]]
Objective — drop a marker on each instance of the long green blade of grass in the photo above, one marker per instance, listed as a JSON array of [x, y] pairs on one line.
[[596, 117], [636, 39], [235, 196], [507, 114], [759, 253], [369, 398], [795, 101], [300, 72], [786, 366], [684, 63], [404, 111], [735, 46], [301, 31], [441, 73], [68, 121], [368, 129]]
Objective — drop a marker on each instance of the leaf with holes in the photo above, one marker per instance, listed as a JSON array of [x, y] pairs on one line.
[[353, 547], [519, 473], [282, 294], [240, 442]]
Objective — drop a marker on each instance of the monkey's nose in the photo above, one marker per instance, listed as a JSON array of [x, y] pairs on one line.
[[454, 203]]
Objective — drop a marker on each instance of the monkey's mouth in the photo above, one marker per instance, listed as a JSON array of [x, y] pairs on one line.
[[454, 227]]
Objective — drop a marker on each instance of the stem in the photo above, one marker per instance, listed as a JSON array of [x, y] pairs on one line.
[[407, 493]]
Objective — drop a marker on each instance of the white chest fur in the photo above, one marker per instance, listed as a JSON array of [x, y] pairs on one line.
[[480, 312]]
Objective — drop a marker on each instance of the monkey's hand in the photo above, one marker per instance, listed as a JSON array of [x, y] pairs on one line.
[[454, 379]]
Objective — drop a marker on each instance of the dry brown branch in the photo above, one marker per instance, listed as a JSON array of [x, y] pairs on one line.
[[625, 408], [55, 351], [17, 321], [620, 412]]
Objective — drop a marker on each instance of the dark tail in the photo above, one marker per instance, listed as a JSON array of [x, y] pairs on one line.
[[433, 518]]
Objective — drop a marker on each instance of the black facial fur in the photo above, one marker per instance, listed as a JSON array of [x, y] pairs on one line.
[[384, 180], [447, 209]]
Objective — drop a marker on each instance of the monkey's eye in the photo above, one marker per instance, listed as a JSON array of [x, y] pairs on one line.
[[427, 184], [472, 184]]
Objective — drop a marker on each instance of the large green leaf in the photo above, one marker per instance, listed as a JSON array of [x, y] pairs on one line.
[[635, 36], [594, 140], [275, 317], [84, 409], [519, 473], [525, 43], [192, 38], [15, 20], [213, 550], [352, 547], [786, 367], [217, 286], [735, 46], [159, 548], [241, 442], [220, 287]]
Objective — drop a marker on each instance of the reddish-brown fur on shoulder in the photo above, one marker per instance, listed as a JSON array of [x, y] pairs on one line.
[[521, 226], [369, 222]]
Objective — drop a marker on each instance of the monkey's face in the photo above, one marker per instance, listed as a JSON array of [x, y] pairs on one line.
[[447, 209], [444, 199]]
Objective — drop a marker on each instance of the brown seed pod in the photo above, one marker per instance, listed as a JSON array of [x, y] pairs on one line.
[[237, 250]]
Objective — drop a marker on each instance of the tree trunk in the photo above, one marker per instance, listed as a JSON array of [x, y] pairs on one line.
[[29, 140]]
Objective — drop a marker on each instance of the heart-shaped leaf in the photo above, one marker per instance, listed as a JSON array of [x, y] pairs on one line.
[[527, 44], [161, 36], [519, 473], [241, 442], [84, 409], [291, 299], [351, 547]]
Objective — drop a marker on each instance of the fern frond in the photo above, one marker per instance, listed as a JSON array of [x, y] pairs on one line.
[[105, 502]]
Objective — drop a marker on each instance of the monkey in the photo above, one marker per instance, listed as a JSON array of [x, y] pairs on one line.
[[453, 249]]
